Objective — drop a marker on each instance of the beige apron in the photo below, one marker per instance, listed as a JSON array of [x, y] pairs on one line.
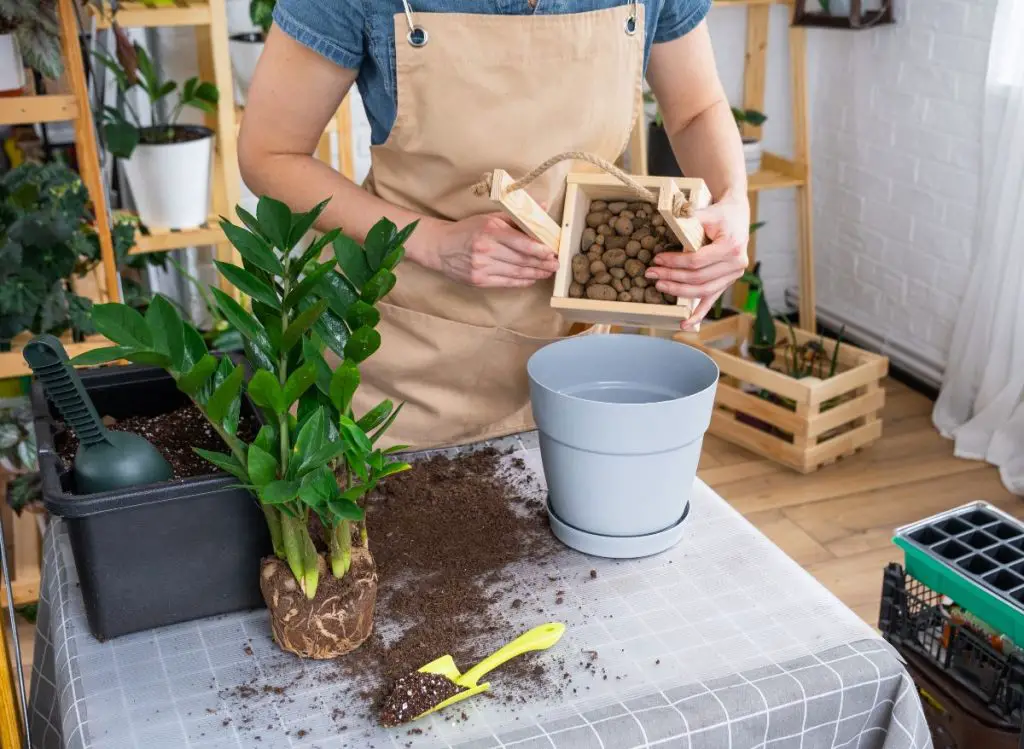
[[475, 93]]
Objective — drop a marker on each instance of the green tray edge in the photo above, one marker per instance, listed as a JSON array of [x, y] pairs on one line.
[[941, 578]]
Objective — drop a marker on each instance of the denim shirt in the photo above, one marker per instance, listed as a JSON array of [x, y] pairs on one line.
[[360, 35]]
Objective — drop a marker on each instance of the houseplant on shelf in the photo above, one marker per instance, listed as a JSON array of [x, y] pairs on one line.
[[47, 239], [751, 146], [29, 35], [167, 164], [313, 460], [247, 46], [661, 160]]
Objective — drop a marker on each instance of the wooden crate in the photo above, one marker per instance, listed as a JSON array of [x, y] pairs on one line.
[[809, 422], [23, 538], [581, 189]]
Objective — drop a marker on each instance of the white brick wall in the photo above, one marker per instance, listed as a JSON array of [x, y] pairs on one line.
[[896, 123]]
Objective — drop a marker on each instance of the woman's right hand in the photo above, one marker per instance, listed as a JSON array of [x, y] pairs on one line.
[[489, 251]]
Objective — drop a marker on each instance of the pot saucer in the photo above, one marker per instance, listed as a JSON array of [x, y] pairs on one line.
[[617, 547]]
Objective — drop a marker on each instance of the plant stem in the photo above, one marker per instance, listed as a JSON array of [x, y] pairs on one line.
[[274, 524], [292, 532], [364, 539], [341, 548], [311, 559]]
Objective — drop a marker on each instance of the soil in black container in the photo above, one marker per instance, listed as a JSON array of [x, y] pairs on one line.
[[174, 434]]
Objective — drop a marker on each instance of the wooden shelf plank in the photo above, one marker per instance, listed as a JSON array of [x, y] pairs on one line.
[[776, 172], [12, 363], [162, 240], [138, 15], [23, 110]]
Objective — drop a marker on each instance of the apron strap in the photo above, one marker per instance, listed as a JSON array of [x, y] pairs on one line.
[[418, 36]]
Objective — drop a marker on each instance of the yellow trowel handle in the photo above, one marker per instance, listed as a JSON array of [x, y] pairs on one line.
[[538, 638]]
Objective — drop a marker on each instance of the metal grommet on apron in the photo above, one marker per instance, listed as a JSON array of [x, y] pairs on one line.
[[478, 96], [417, 36]]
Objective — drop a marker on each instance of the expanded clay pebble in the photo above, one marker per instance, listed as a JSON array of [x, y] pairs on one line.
[[617, 247], [413, 695]]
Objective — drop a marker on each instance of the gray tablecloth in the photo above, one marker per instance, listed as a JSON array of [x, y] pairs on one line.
[[720, 643]]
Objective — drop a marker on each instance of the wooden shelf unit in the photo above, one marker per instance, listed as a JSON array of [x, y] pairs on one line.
[[777, 172]]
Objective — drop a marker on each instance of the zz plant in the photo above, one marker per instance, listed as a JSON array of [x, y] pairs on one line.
[[312, 455]]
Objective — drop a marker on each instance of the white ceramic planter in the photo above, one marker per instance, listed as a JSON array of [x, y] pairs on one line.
[[170, 183], [752, 155], [245, 52], [12, 68]]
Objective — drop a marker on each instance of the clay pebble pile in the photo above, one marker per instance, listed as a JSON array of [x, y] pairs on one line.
[[413, 695], [618, 246]]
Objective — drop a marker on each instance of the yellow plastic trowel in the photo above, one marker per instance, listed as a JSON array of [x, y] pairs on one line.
[[538, 638]]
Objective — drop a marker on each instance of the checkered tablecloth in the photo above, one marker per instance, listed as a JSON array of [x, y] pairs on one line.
[[720, 643]]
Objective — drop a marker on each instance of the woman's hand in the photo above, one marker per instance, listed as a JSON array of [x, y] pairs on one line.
[[489, 251], [706, 274]]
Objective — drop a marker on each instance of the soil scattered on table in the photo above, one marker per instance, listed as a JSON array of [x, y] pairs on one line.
[[414, 694], [173, 434]]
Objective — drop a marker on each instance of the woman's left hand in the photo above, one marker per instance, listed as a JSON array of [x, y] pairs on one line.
[[706, 274]]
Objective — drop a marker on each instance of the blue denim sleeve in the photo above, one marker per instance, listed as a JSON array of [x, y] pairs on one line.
[[679, 17], [332, 28]]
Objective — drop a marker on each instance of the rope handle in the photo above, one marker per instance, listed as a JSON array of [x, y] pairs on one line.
[[681, 206]]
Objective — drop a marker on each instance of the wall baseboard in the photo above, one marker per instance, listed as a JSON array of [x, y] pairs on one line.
[[905, 365]]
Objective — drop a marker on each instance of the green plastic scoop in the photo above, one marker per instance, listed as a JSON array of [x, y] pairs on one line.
[[106, 460]]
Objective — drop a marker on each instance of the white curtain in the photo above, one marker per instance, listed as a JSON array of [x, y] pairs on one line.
[[981, 405]]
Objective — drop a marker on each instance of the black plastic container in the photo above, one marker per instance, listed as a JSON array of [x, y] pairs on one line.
[[972, 693], [153, 555], [661, 161]]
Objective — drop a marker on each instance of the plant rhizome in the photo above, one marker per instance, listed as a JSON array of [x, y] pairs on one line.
[[319, 588]]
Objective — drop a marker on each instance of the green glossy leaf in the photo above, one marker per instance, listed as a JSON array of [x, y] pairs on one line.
[[356, 462], [311, 352], [167, 330], [219, 403], [362, 344], [121, 138], [309, 282], [265, 391], [343, 509], [383, 428], [266, 439], [378, 287], [251, 223], [190, 382], [391, 469], [122, 324], [262, 466], [259, 358], [338, 292], [241, 319], [276, 221], [299, 382], [402, 236], [252, 247], [232, 417], [321, 457], [378, 242], [149, 358], [343, 385], [303, 222], [393, 258], [333, 332], [352, 260], [249, 284], [316, 248], [195, 346], [303, 322], [310, 496], [361, 315], [101, 355], [224, 462], [376, 416], [356, 436], [279, 492]]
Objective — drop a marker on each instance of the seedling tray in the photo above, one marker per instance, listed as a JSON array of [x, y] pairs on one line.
[[975, 555]]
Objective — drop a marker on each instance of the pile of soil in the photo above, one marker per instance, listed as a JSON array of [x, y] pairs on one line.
[[413, 695], [174, 434]]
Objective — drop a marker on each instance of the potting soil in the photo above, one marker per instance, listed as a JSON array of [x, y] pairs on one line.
[[413, 695], [174, 434]]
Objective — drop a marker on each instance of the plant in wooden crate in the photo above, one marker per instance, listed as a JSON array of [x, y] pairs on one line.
[[47, 239], [29, 35], [313, 460], [801, 399], [751, 146], [247, 47], [167, 163]]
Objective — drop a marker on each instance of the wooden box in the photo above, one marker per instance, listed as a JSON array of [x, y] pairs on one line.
[[801, 423], [581, 189]]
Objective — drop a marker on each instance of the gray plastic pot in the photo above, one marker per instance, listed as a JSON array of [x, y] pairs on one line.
[[621, 420]]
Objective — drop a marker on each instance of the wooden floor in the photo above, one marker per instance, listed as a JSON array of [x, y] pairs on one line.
[[837, 523]]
